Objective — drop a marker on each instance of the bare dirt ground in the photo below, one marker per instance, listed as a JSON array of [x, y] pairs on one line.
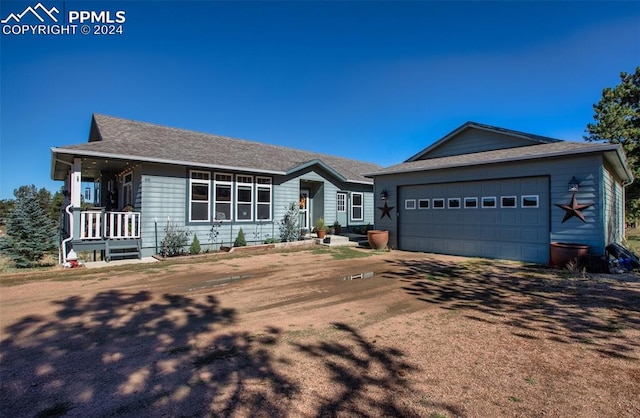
[[284, 334]]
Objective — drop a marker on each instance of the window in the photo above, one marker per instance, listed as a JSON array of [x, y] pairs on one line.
[[508, 202], [423, 204], [341, 202], [356, 206], [222, 196], [529, 201], [454, 203], [199, 196], [263, 198], [489, 202], [470, 202], [410, 204], [127, 189], [438, 203], [244, 198]]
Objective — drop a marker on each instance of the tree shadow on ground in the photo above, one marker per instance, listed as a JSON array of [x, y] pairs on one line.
[[536, 302], [367, 380], [129, 354]]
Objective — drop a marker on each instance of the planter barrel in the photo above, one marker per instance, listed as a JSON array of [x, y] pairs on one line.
[[378, 239], [564, 252]]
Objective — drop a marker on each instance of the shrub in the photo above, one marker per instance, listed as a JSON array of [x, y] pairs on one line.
[[175, 239], [195, 246], [240, 240], [289, 229]]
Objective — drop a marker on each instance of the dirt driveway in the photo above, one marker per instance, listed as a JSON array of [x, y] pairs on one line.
[[290, 334]]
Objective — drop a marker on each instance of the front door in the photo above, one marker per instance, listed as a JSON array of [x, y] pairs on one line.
[[305, 204]]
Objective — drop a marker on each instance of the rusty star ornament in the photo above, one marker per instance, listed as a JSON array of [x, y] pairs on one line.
[[386, 210], [574, 209]]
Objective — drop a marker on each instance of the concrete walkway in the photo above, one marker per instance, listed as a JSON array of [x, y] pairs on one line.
[[100, 264]]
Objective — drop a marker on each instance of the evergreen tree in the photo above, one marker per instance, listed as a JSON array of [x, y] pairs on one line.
[[240, 240], [195, 245], [30, 231], [617, 121]]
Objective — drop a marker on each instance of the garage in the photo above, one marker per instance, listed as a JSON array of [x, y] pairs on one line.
[[486, 191], [506, 218]]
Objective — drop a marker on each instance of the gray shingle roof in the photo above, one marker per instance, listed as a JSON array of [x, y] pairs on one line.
[[123, 138], [554, 149]]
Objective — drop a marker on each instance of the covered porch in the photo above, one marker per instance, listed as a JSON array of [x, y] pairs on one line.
[[105, 221]]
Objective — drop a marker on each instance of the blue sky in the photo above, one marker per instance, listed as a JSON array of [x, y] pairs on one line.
[[375, 81]]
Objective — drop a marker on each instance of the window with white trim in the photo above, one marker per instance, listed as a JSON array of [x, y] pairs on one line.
[[357, 199], [244, 198], [423, 203], [222, 187], [470, 202], [489, 202], [199, 202], [438, 203], [508, 202], [127, 189], [410, 204], [529, 201], [341, 202], [263, 198], [453, 202]]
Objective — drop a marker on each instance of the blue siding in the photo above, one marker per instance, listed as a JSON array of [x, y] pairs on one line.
[[476, 140], [163, 196], [587, 169]]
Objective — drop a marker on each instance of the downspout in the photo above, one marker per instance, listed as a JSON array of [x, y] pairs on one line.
[[64, 241]]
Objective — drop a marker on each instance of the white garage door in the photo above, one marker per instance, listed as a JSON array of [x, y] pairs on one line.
[[506, 218]]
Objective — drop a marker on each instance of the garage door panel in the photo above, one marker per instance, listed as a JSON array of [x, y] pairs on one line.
[[520, 233]]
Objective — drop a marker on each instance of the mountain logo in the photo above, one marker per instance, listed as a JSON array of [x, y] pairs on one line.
[[38, 11]]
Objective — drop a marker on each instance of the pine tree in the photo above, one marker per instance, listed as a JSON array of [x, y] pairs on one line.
[[195, 245], [617, 121], [240, 240], [30, 231]]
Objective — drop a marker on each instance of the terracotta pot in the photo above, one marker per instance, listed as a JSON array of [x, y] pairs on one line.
[[563, 252], [378, 239], [321, 233]]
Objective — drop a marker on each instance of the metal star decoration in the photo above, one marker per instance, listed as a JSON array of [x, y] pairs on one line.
[[573, 209], [386, 210]]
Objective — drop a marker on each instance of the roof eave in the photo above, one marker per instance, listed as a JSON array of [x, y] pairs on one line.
[[464, 127], [86, 153], [612, 147], [321, 163]]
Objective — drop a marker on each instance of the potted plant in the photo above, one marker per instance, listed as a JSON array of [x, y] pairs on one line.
[[337, 227], [378, 239], [321, 228]]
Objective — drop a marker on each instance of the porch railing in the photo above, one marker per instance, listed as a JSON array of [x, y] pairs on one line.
[[96, 224]]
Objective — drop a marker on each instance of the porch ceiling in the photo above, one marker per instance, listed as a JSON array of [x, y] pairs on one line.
[[91, 166]]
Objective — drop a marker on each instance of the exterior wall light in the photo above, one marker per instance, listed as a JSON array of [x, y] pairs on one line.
[[573, 184], [383, 194]]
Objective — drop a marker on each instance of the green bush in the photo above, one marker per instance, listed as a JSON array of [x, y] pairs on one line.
[[195, 246], [289, 226], [240, 240], [175, 239]]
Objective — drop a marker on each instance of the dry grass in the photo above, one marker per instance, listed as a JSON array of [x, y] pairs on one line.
[[427, 336]]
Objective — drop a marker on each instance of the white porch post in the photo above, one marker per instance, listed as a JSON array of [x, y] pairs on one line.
[[76, 178]]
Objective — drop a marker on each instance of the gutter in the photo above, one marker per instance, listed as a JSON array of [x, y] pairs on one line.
[[86, 153], [66, 240]]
